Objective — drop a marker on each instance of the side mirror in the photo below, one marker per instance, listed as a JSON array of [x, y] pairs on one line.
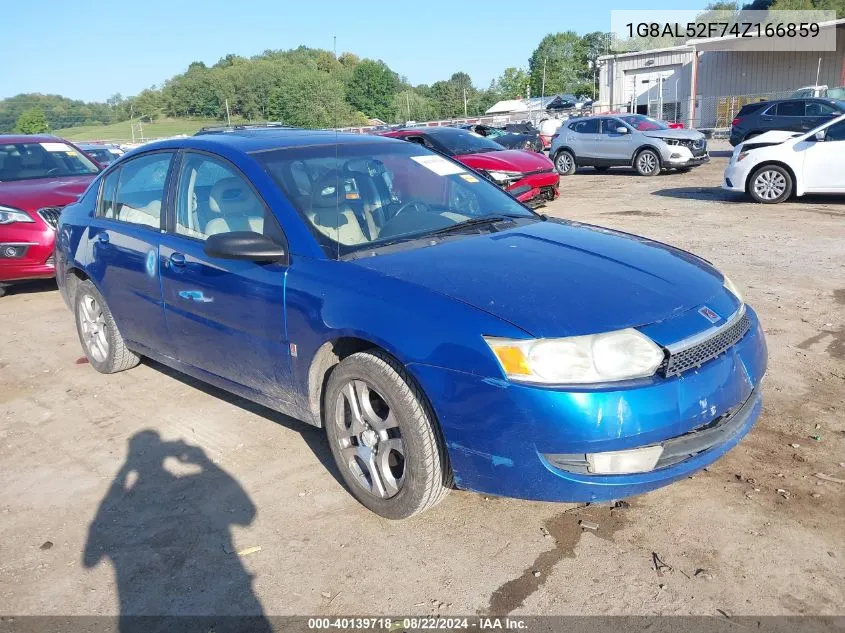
[[621, 130], [820, 135], [244, 245]]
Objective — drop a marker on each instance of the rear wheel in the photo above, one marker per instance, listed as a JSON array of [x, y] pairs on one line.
[[103, 345], [383, 436], [565, 162], [770, 184], [647, 163]]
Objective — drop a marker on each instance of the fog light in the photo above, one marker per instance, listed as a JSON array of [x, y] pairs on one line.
[[637, 460], [675, 156]]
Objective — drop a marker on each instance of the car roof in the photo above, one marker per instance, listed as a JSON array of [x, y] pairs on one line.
[[30, 138], [259, 139]]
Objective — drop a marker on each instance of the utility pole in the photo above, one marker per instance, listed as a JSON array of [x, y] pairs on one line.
[[527, 91], [228, 117], [408, 101], [465, 102], [543, 89]]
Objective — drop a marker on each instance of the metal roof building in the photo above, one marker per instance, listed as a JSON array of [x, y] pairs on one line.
[[704, 82]]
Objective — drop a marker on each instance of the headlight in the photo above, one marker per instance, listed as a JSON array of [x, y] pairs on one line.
[[741, 155], [504, 176], [671, 141], [9, 215], [619, 355], [731, 287]]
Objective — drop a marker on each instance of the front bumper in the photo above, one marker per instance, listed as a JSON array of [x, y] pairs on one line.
[[536, 188], [679, 156], [26, 251], [498, 433], [736, 175]]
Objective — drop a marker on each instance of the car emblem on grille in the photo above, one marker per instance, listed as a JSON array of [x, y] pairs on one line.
[[708, 314]]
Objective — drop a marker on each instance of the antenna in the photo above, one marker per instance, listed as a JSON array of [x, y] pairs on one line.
[[337, 163]]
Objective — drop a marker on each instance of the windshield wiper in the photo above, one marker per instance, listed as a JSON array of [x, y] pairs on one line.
[[487, 219]]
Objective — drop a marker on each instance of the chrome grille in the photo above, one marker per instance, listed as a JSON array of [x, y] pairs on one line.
[[683, 360], [50, 215]]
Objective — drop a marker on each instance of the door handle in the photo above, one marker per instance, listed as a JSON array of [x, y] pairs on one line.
[[103, 238], [177, 259]]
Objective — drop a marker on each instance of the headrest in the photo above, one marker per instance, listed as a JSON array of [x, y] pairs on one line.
[[232, 195], [324, 193]]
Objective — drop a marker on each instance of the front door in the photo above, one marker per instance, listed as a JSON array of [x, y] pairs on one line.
[[226, 317], [824, 161], [125, 235], [616, 147]]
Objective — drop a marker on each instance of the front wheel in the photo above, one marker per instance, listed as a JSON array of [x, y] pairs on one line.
[[770, 184], [383, 436], [565, 163], [647, 163], [101, 340]]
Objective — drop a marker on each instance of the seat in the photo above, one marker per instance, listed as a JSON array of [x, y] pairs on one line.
[[234, 207], [332, 217]]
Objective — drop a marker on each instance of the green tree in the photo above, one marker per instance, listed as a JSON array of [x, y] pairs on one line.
[[512, 83], [308, 98], [563, 57], [32, 121], [371, 89]]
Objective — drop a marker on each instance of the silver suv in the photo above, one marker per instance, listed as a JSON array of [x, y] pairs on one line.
[[632, 140]]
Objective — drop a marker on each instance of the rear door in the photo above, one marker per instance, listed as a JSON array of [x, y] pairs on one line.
[[585, 138], [786, 115], [125, 235], [226, 317]]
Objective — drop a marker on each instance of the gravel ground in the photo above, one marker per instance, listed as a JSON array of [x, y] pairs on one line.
[[757, 533]]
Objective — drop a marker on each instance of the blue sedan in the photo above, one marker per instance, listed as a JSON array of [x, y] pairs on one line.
[[443, 334]]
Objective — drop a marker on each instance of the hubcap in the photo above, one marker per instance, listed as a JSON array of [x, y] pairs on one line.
[[93, 325], [564, 163], [770, 184], [370, 441], [647, 162]]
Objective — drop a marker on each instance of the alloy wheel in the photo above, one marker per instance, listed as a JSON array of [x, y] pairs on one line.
[[770, 184], [564, 162], [370, 440], [93, 324], [647, 162]]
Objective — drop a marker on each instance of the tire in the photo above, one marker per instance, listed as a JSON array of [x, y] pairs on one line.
[[395, 436], [601, 168], [101, 340], [565, 162], [647, 163], [770, 184], [2, 290]]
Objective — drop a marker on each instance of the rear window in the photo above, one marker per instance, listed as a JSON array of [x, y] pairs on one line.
[[748, 108]]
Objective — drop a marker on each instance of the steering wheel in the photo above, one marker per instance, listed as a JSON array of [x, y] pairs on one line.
[[422, 206]]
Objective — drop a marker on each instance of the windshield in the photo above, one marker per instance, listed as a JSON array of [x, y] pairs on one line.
[[102, 155], [361, 196], [644, 123], [458, 142], [26, 161]]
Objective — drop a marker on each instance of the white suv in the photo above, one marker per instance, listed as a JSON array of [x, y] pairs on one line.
[[773, 166]]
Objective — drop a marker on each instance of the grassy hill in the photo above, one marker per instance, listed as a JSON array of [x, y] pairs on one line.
[[123, 131]]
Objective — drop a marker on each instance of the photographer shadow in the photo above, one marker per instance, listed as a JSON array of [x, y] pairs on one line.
[[168, 538]]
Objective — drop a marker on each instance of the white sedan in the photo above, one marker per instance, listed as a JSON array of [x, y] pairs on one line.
[[775, 165]]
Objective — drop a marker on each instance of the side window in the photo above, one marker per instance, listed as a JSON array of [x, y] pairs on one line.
[[138, 190], [819, 108], [105, 208], [790, 108], [608, 126], [213, 197], [836, 132], [590, 126]]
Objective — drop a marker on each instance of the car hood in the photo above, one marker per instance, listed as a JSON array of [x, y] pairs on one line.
[[772, 137], [31, 195], [561, 279], [507, 160], [678, 133]]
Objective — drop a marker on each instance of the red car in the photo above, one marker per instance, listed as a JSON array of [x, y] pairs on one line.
[[528, 176], [39, 174]]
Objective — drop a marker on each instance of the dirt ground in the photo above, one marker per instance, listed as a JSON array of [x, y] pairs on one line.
[[757, 533]]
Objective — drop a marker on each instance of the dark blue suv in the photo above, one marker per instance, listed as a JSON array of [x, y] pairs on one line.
[[791, 115], [442, 333]]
